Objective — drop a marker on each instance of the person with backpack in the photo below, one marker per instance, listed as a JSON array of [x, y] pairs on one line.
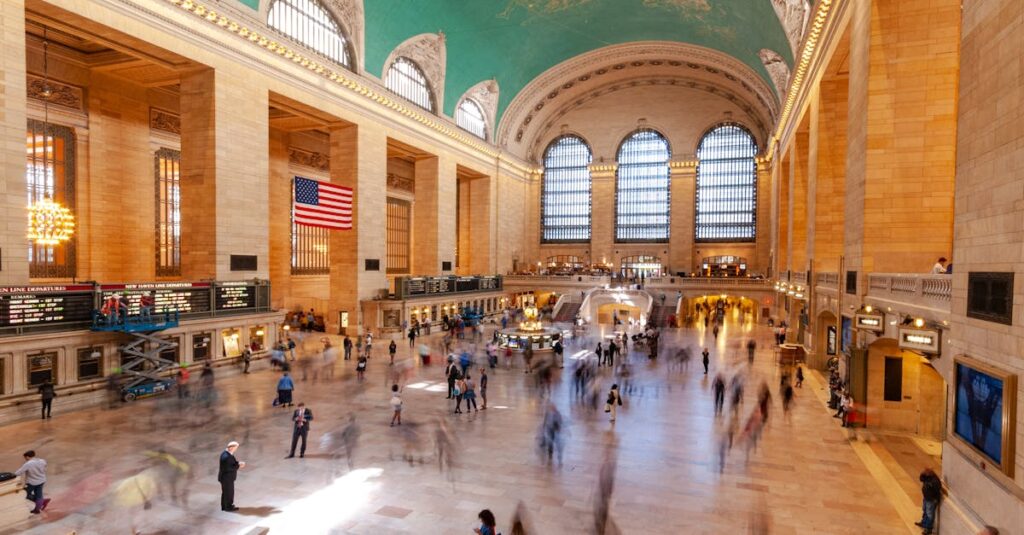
[[931, 492], [614, 399], [396, 405]]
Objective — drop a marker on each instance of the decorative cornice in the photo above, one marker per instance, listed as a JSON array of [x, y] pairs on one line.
[[306, 158], [165, 121], [348, 80], [61, 94], [797, 89]]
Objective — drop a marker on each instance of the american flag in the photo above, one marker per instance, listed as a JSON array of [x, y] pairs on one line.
[[322, 204]]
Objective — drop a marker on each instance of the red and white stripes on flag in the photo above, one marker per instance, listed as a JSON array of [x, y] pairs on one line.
[[322, 204]]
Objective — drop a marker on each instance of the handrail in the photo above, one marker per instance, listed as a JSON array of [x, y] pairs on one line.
[[912, 288]]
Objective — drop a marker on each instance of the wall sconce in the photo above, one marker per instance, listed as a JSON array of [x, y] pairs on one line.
[[919, 322]]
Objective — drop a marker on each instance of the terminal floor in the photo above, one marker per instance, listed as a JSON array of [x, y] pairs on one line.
[[806, 476]]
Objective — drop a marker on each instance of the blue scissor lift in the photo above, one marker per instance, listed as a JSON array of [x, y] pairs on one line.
[[145, 381]]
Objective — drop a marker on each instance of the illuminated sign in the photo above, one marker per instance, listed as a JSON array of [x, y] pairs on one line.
[[924, 340], [830, 344], [870, 322]]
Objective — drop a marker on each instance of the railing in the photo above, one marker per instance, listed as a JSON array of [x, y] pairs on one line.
[[915, 289], [587, 279], [799, 277], [827, 280], [703, 282]]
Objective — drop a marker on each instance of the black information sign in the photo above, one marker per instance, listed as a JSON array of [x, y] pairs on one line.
[[235, 296], [184, 297], [415, 286], [41, 305]]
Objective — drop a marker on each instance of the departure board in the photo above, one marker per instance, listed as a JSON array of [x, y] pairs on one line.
[[416, 286], [41, 305], [235, 296], [183, 297]]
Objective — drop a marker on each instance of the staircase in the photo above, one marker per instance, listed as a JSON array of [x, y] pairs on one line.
[[660, 314], [567, 312]]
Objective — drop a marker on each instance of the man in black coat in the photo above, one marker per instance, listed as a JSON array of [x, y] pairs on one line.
[[229, 467], [300, 429]]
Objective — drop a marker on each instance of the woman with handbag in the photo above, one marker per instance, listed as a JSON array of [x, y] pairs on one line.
[[614, 399]]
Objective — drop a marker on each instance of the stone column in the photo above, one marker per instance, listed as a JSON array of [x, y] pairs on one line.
[[358, 161], [13, 128], [681, 244], [602, 224], [225, 174], [434, 235], [280, 194]]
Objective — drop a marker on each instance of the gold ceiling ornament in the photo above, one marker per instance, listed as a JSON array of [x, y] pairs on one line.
[[50, 223]]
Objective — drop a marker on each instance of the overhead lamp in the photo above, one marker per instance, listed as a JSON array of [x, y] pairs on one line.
[[868, 308], [919, 322]]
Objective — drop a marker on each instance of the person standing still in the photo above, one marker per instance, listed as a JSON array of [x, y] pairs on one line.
[[34, 471], [310, 320], [246, 359], [705, 359], [392, 348], [483, 387], [347, 344], [46, 393], [226, 475], [285, 387], [931, 492], [300, 429]]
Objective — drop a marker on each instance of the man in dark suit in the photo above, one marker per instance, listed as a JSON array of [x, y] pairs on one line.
[[300, 428], [229, 467]]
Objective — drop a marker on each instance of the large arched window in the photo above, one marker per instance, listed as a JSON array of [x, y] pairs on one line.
[[405, 78], [309, 23], [726, 185], [470, 117], [565, 199], [642, 188]]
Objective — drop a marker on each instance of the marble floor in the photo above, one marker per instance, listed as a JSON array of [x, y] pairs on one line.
[[803, 477]]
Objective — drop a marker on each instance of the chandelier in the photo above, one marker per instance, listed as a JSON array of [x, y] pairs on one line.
[[49, 223]]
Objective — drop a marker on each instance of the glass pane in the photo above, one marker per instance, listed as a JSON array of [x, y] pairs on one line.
[[309, 23], [726, 185], [566, 192], [642, 188]]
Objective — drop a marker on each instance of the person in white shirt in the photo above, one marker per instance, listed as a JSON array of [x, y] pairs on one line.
[[34, 471], [396, 405], [940, 267]]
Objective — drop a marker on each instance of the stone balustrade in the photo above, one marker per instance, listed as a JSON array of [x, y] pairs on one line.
[[921, 290], [827, 279]]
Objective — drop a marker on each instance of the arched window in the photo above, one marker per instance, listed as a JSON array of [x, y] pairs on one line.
[[309, 23], [726, 185], [565, 199], [405, 78], [470, 117], [642, 188]]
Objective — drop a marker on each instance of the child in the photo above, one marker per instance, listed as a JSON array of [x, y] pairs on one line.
[[396, 405], [361, 368]]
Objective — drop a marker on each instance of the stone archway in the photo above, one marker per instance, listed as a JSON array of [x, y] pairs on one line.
[[826, 340]]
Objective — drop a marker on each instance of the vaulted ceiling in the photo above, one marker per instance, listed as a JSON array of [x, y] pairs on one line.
[[516, 41]]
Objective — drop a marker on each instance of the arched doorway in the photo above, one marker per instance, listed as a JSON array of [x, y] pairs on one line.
[[640, 265]]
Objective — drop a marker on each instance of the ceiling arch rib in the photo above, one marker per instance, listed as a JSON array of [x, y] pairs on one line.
[[558, 89]]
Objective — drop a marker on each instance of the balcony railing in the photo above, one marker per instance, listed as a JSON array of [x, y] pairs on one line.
[[592, 280], [932, 291], [799, 277]]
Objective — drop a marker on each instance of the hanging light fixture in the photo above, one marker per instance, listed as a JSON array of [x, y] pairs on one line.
[[49, 222]]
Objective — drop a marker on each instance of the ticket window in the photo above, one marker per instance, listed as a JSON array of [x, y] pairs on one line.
[[232, 343], [42, 367], [201, 346], [257, 338], [89, 362]]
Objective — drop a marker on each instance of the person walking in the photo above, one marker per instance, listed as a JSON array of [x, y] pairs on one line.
[[705, 359], [470, 395], [291, 348], [226, 475], [718, 386], [46, 393], [361, 368], [614, 400], [412, 337], [347, 344], [751, 347], [611, 351], [285, 387], [396, 405], [488, 525], [392, 348], [559, 351], [460, 390], [483, 387], [931, 492], [34, 472], [799, 377], [714, 331], [600, 355], [300, 429]]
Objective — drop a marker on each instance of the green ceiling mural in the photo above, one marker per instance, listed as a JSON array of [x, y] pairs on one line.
[[514, 41], [255, 4]]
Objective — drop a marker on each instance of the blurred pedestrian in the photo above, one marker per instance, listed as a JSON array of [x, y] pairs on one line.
[[718, 387], [614, 401], [361, 368], [488, 525], [799, 376], [705, 359], [396, 405], [483, 387], [392, 348]]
